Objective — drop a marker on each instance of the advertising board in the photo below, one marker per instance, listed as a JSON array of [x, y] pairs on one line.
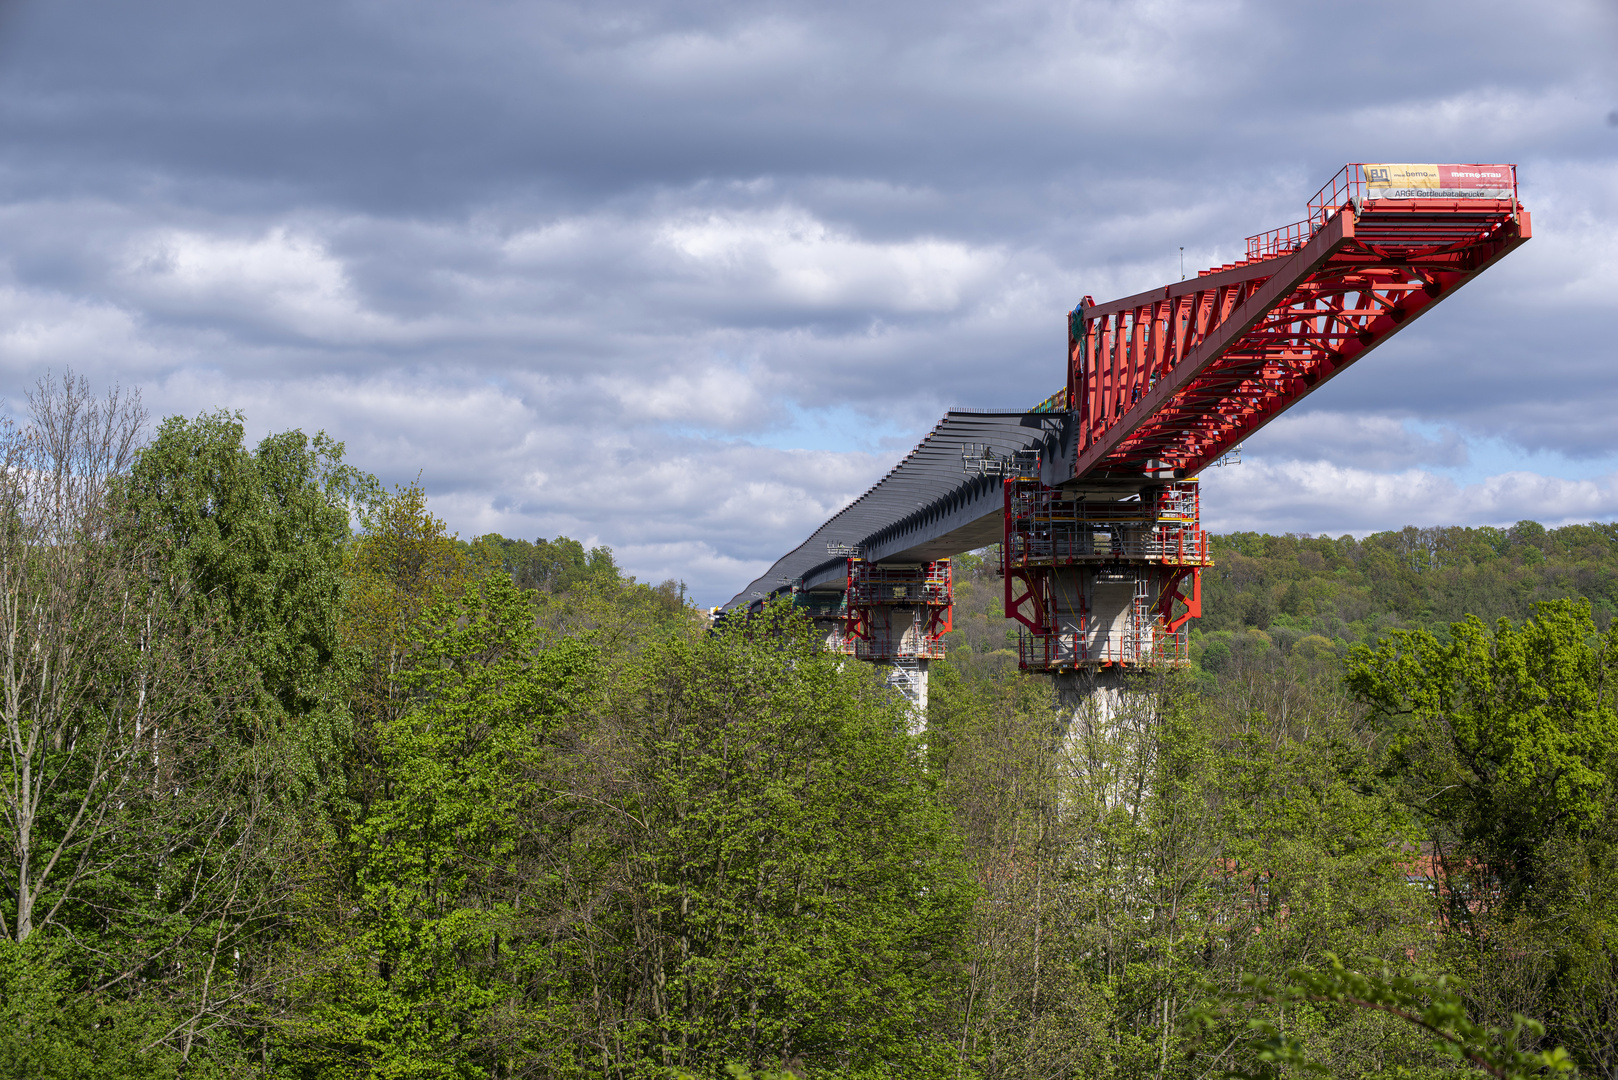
[[1438, 181]]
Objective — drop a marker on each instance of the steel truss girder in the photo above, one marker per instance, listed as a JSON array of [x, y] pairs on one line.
[[1172, 379]]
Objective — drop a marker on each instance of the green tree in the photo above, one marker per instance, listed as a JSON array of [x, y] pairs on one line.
[[84, 651], [1139, 838], [553, 566], [402, 562], [1506, 742], [49, 1030], [1504, 737], [248, 548], [442, 949], [253, 545], [1428, 1006], [795, 893], [171, 632], [998, 747]]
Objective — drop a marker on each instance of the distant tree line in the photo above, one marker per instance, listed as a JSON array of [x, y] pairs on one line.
[[1332, 593], [300, 785], [1323, 594]]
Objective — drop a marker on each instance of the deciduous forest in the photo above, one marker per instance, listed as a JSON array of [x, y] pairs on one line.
[[300, 785]]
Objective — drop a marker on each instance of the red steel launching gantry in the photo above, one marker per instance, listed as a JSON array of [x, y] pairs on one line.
[[1165, 383], [1169, 380]]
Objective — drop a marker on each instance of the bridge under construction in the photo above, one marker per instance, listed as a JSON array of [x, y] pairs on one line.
[[1092, 495]]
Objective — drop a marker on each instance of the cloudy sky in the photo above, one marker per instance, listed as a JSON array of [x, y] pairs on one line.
[[682, 279]]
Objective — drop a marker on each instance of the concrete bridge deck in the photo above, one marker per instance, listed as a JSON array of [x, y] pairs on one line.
[[929, 506]]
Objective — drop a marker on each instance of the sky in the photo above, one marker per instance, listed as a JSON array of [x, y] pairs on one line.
[[684, 279]]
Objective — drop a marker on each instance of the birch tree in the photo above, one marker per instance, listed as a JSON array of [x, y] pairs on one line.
[[81, 667]]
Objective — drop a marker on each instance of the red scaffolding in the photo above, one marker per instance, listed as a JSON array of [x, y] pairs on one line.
[[897, 611], [1057, 549]]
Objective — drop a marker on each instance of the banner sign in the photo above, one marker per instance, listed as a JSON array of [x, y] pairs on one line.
[[1438, 181]]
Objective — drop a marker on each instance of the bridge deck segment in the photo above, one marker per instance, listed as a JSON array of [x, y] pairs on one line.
[[928, 506]]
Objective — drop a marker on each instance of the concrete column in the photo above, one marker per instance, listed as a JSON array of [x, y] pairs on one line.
[[1107, 734]]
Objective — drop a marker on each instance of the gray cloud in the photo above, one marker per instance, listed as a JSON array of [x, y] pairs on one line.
[[1374, 442], [1326, 498], [683, 280]]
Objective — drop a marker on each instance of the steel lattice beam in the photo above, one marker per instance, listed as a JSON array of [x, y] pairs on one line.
[[1166, 382]]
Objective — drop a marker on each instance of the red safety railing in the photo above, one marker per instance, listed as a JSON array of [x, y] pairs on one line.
[[875, 592], [883, 648], [1348, 188], [1055, 652], [1054, 549], [906, 585], [1279, 241], [1043, 529]]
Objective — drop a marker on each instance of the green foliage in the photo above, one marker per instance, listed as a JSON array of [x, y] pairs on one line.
[[552, 566], [50, 1032], [402, 806], [984, 641], [583, 591], [1506, 736], [248, 547], [1345, 590], [802, 896], [253, 544], [402, 562], [437, 943], [1428, 1005], [733, 855], [1137, 839], [742, 1072], [1505, 742]]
